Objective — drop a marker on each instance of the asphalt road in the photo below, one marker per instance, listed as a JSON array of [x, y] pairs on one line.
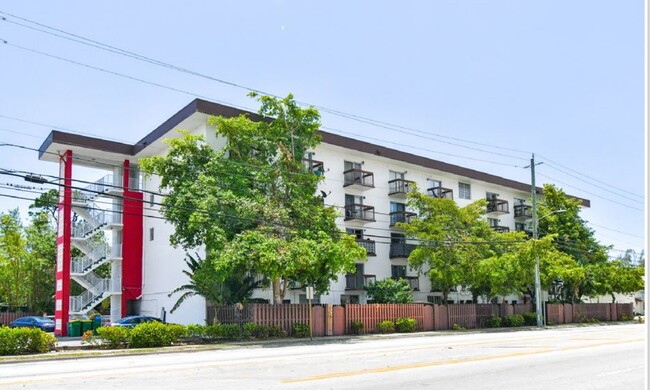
[[603, 357]]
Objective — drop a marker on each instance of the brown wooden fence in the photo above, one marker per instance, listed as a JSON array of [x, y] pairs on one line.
[[372, 314], [6, 318], [558, 313], [336, 320], [283, 315]]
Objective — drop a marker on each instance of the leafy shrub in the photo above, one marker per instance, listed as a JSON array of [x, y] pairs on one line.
[[113, 336], [155, 334], [89, 338], [624, 317], [24, 340], [530, 319], [250, 330], [390, 291], [213, 331], [386, 327], [458, 327], [276, 331], [405, 325], [229, 331], [493, 322], [196, 330], [356, 327], [584, 319], [515, 320], [300, 330]]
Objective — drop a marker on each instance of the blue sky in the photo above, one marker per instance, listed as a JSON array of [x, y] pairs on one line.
[[502, 79]]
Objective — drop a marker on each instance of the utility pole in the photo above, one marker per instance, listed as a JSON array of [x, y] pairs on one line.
[[538, 287]]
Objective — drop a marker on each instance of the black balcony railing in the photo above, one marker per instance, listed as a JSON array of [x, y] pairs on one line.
[[400, 249], [369, 246], [317, 167], [360, 212], [523, 211], [400, 186], [356, 281], [499, 206], [401, 216], [501, 229], [441, 192], [414, 281], [358, 177]]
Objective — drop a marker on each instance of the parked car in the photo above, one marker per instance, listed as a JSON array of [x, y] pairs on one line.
[[130, 322], [43, 323]]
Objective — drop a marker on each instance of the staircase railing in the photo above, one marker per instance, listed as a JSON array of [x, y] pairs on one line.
[[81, 264]]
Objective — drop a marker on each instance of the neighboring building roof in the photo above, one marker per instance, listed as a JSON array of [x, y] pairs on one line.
[[91, 144]]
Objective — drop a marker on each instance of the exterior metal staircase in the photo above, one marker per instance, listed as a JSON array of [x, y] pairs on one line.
[[95, 254]]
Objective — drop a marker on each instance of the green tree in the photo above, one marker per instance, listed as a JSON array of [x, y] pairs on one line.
[[560, 216], [47, 202], [451, 239], [252, 203], [390, 291], [27, 261], [205, 281], [13, 270], [40, 263]]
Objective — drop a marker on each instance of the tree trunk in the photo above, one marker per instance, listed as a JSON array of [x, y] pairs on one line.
[[445, 295], [277, 292]]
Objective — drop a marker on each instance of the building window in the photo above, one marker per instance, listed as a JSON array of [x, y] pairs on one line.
[[357, 233], [434, 299], [151, 234], [302, 298], [151, 200], [520, 227], [349, 299], [464, 191], [398, 271], [493, 222]]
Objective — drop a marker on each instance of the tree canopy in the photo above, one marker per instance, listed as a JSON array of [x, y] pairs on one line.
[[390, 291], [252, 203]]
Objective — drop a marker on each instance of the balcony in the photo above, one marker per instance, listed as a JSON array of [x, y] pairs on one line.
[[401, 216], [400, 187], [368, 245], [400, 250], [358, 178], [441, 192], [523, 211], [359, 212], [357, 282], [317, 167], [500, 229], [497, 206]]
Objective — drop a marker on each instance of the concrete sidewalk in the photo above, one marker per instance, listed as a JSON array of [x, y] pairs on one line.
[[72, 347]]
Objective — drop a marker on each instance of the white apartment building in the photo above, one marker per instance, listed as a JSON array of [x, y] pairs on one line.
[[366, 182]]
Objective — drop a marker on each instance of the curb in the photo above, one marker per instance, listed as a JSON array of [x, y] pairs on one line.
[[70, 352]]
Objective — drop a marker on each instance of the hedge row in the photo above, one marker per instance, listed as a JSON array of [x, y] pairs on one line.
[[18, 341]]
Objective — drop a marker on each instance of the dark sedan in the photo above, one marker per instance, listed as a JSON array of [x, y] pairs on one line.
[[132, 321], [43, 323]]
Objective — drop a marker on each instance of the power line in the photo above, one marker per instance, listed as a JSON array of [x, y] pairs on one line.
[[139, 57], [589, 177], [389, 126], [591, 193], [608, 189]]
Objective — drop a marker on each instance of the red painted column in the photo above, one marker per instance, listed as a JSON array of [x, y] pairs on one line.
[[64, 235], [132, 242]]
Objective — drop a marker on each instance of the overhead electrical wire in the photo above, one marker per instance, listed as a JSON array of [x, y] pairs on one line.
[[102, 46], [374, 122]]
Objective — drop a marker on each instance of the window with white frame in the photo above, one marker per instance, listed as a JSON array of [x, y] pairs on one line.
[[464, 191]]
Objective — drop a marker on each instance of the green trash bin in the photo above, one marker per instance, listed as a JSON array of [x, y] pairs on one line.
[[86, 325], [74, 328]]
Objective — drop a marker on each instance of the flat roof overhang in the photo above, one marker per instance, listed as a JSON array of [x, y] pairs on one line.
[[95, 152]]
